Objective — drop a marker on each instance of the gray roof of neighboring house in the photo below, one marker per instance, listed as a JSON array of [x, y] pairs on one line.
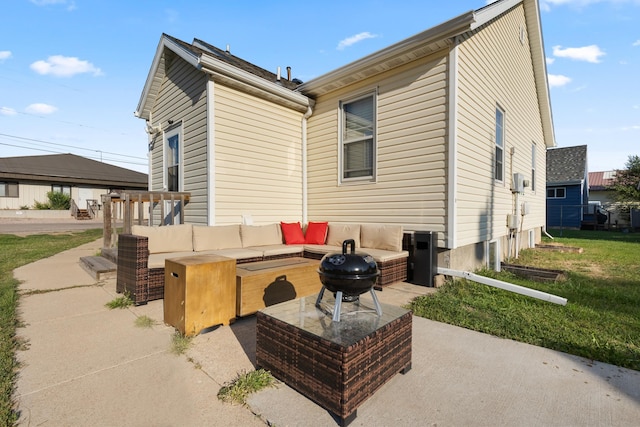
[[70, 169], [567, 165]]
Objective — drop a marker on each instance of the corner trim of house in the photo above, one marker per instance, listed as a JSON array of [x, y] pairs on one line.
[[211, 153], [452, 188]]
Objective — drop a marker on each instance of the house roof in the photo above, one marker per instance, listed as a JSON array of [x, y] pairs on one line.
[[71, 169], [222, 66], [599, 181], [440, 37], [567, 165]]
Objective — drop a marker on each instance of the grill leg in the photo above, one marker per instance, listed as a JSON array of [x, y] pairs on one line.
[[375, 302], [337, 307]]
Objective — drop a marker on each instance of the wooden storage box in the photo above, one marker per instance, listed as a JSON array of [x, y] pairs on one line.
[[199, 292]]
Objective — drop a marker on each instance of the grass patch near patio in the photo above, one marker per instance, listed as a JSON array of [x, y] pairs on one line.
[[600, 321], [246, 383], [16, 252]]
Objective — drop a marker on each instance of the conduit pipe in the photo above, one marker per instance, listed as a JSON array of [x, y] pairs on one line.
[[503, 285]]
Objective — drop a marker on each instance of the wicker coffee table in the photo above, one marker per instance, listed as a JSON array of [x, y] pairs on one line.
[[338, 365]]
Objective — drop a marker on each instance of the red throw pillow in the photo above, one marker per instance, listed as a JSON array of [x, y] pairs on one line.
[[316, 233], [292, 233]]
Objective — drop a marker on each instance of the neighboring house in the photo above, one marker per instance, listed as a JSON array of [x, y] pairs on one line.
[[26, 180], [567, 186], [426, 133], [601, 191]]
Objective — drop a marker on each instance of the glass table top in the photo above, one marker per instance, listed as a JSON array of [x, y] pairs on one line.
[[357, 319]]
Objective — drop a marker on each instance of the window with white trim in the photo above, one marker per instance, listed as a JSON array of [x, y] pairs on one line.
[[172, 160], [498, 164], [533, 167], [8, 189], [556, 193], [358, 138]]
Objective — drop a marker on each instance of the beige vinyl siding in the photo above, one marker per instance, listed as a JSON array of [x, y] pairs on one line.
[[258, 159], [410, 185], [495, 69], [182, 99]]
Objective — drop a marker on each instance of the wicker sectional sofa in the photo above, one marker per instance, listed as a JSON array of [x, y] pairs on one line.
[[141, 254]]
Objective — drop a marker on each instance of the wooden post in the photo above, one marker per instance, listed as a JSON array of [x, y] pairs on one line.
[[106, 221]]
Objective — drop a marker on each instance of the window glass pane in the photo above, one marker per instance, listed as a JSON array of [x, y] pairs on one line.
[[173, 156], [499, 163], [358, 159], [560, 193], [172, 178], [12, 190], [3, 191], [498, 173], [358, 117], [499, 128], [551, 193]]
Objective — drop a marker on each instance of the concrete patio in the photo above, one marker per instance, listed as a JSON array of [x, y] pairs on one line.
[[84, 364]]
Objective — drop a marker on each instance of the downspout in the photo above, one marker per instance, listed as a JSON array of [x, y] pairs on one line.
[[504, 285], [304, 163], [211, 153], [452, 178]]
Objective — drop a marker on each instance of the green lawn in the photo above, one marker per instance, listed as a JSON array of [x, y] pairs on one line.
[[601, 320], [15, 252]]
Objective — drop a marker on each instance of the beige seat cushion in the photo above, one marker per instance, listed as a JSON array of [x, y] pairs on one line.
[[157, 260], [210, 238], [168, 238], [275, 250], [381, 255], [260, 235], [378, 236], [338, 233]]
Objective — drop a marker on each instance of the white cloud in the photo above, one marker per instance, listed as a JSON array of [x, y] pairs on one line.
[[355, 39], [590, 53], [550, 60], [64, 66], [557, 80], [39, 108], [5, 54], [6, 111], [70, 4], [636, 43]]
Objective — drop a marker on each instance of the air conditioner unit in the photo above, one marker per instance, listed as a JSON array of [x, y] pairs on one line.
[[517, 186]]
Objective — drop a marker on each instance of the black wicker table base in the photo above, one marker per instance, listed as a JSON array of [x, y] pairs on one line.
[[338, 365]]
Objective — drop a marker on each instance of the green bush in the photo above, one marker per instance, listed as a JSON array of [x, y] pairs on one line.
[[59, 201], [41, 206]]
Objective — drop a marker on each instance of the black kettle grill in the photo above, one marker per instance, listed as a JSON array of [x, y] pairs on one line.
[[348, 275]]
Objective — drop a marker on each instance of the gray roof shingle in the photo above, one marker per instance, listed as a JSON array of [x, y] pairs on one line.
[[567, 164], [69, 168]]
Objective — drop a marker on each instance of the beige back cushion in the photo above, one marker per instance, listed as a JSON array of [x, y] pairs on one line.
[[260, 235], [168, 238], [377, 236], [216, 237], [338, 233]]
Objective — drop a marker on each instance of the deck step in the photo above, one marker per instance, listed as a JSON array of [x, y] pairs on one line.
[[98, 267]]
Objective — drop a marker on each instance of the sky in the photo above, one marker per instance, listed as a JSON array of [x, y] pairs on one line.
[[72, 71]]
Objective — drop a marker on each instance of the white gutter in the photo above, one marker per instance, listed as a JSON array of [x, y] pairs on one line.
[[503, 285], [304, 164]]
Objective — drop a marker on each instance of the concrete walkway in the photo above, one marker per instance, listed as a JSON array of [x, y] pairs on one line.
[[86, 365]]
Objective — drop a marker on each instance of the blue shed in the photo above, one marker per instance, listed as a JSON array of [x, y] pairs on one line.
[[567, 186]]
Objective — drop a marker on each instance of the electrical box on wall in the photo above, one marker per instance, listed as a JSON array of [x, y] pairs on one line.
[[517, 186], [512, 222], [526, 208]]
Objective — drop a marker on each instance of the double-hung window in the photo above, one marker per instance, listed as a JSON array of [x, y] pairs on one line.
[[59, 188], [358, 138], [556, 193], [498, 164], [172, 160]]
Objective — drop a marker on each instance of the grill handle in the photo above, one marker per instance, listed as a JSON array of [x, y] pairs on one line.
[[347, 243]]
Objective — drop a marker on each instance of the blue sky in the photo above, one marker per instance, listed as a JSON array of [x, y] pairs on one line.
[[71, 71]]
